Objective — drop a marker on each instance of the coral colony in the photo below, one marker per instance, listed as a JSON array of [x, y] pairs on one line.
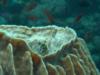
[[48, 50]]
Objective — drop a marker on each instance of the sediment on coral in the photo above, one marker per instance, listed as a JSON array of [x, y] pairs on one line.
[[49, 50]]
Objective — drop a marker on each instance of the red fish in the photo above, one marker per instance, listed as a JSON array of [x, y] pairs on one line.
[[49, 15], [78, 18], [32, 17]]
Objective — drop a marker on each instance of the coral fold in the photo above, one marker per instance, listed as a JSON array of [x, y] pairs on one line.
[[49, 50]]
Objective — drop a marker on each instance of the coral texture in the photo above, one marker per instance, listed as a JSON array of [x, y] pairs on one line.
[[49, 50]]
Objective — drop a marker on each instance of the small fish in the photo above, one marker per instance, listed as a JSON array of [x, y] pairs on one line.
[[78, 18], [76, 21], [49, 15], [32, 17]]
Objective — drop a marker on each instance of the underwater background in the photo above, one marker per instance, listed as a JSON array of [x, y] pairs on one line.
[[81, 15]]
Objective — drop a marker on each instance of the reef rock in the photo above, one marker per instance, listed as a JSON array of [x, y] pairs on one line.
[[48, 50]]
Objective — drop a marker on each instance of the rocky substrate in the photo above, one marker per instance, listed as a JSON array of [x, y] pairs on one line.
[[48, 50]]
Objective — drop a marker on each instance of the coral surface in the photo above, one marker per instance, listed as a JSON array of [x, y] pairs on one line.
[[48, 50]]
